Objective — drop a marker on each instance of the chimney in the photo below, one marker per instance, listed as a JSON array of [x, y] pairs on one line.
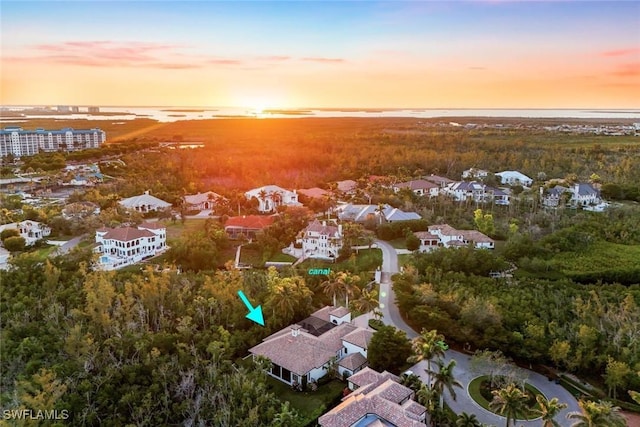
[[295, 330], [340, 229], [146, 192], [324, 223]]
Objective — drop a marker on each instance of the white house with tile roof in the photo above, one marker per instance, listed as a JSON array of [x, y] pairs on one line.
[[419, 187], [30, 231], [321, 241], [450, 237], [202, 201], [514, 178], [144, 203], [304, 352], [377, 399], [271, 196], [120, 247], [474, 173]]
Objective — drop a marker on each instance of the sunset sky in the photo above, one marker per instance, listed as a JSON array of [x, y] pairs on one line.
[[297, 54]]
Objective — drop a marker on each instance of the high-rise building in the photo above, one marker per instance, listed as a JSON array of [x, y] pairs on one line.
[[20, 142]]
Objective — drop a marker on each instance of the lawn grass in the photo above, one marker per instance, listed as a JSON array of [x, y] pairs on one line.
[[175, 230], [250, 255], [43, 253], [404, 259], [310, 404], [399, 243], [282, 257]]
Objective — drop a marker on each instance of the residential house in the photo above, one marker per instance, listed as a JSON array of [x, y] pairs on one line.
[[467, 190], [247, 225], [584, 194], [420, 187], [314, 193], [347, 186], [474, 173], [144, 203], [4, 258], [305, 352], [201, 201], [514, 178], [451, 237], [271, 196], [428, 241], [321, 241], [500, 196], [552, 197], [378, 399], [30, 231], [440, 181], [80, 210], [123, 246], [384, 213]]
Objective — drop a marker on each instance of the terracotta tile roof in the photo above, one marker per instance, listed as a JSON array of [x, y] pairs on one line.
[[152, 225], [392, 391], [356, 407], [438, 179], [299, 354], [369, 376], [196, 199], [445, 229], [359, 337], [315, 192], [254, 222], [414, 407], [417, 184], [352, 361], [125, 234], [475, 236], [317, 227], [323, 313], [425, 235], [339, 312], [346, 185]]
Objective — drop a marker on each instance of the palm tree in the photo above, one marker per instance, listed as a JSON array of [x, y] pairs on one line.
[[467, 420], [349, 285], [426, 346], [412, 381], [444, 379], [367, 302], [548, 409], [427, 397], [332, 286], [508, 402], [597, 414]]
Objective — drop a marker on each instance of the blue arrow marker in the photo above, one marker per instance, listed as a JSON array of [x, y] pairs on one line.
[[255, 314]]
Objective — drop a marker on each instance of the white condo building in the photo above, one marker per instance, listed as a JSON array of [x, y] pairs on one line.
[[20, 142]]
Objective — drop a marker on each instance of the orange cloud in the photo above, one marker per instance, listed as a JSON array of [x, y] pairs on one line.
[[323, 60], [621, 52], [628, 70]]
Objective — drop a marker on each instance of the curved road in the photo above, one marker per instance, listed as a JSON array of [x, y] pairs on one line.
[[463, 373]]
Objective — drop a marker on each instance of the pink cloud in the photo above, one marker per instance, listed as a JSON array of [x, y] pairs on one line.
[[111, 54], [621, 52]]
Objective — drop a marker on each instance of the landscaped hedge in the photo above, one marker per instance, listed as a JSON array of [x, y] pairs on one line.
[[394, 230]]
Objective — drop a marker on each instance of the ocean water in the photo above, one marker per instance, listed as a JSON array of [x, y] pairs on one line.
[[172, 114]]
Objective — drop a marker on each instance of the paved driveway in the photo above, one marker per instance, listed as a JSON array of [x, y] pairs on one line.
[[463, 373]]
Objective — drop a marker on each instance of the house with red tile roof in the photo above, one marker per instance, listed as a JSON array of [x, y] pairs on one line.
[[378, 399], [247, 225], [123, 246]]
